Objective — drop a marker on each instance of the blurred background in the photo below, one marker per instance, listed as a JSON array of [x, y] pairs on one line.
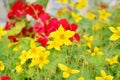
[[51, 6]]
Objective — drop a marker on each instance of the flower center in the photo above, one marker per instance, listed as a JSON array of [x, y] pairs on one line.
[[62, 36]]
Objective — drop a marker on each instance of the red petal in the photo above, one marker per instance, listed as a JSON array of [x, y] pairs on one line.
[[77, 37], [65, 24], [73, 27], [43, 40], [5, 78]]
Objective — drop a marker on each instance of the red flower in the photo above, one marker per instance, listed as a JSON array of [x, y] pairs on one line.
[[9, 25], [5, 78], [73, 27], [65, 24], [38, 27], [43, 40], [17, 10]]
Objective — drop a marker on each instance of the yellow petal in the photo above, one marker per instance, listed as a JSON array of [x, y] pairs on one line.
[[73, 71], [99, 78], [103, 73], [81, 78], [113, 29], [32, 44], [62, 67], [114, 37], [65, 75]]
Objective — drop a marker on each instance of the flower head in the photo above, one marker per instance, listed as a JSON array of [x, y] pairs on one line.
[[104, 15], [81, 4], [62, 1], [95, 51], [88, 40], [104, 76], [90, 16], [62, 36], [113, 60], [67, 71], [77, 18], [116, 33], [1, 66], [19, 68]]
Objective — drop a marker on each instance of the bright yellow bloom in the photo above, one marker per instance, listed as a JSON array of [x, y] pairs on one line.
[[116, 33], [1, 66], [62, 36], [17, 48], [67, 71], [81, 4], [88, 40], [113, 60], [41, 60], [34, 51], [104, 76], [90, 16], [2, 32], [77, 18], [62, 1], [53, 44], [23, 57], [19, 68], [81, 78], [95, 51], [104, 15]]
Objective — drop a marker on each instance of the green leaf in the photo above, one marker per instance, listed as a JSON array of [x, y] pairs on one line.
[[17, 28]]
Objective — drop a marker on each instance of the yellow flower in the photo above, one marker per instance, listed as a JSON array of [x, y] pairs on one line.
[[62, 36], [34, 51], [67, 71], [88, 40], [104, 15], [113, 60], [19, 68], [41, 60], [23, 57], [1, 66], [53, 44], [116, 33], [90, 16], [81, 4], [104, 76], [97, 26], [17, 48], [81, 78], [2, 32], [62, 1], [95, 51], [77, 18]]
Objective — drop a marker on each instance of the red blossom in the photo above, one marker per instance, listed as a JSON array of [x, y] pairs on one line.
[[65, 24], [38, 27], [43, 40], [5, 78]]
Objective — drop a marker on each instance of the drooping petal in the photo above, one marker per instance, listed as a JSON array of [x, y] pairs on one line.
[[114, 37], [62, 67], [113, 29]]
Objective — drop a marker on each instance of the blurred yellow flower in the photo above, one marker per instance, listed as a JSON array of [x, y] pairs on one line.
[[23, 57], [97, 26], [77, 18], [2, 32], [62, 36], [113, 60], [81, 4], [104, 76], [81, 78], [104, 15], [62, 1], [1, 66], [41, 60], [90, 16], [19, 68], [67, 71], [95, 51], [116, 33], [34, 51], [88, 40]]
